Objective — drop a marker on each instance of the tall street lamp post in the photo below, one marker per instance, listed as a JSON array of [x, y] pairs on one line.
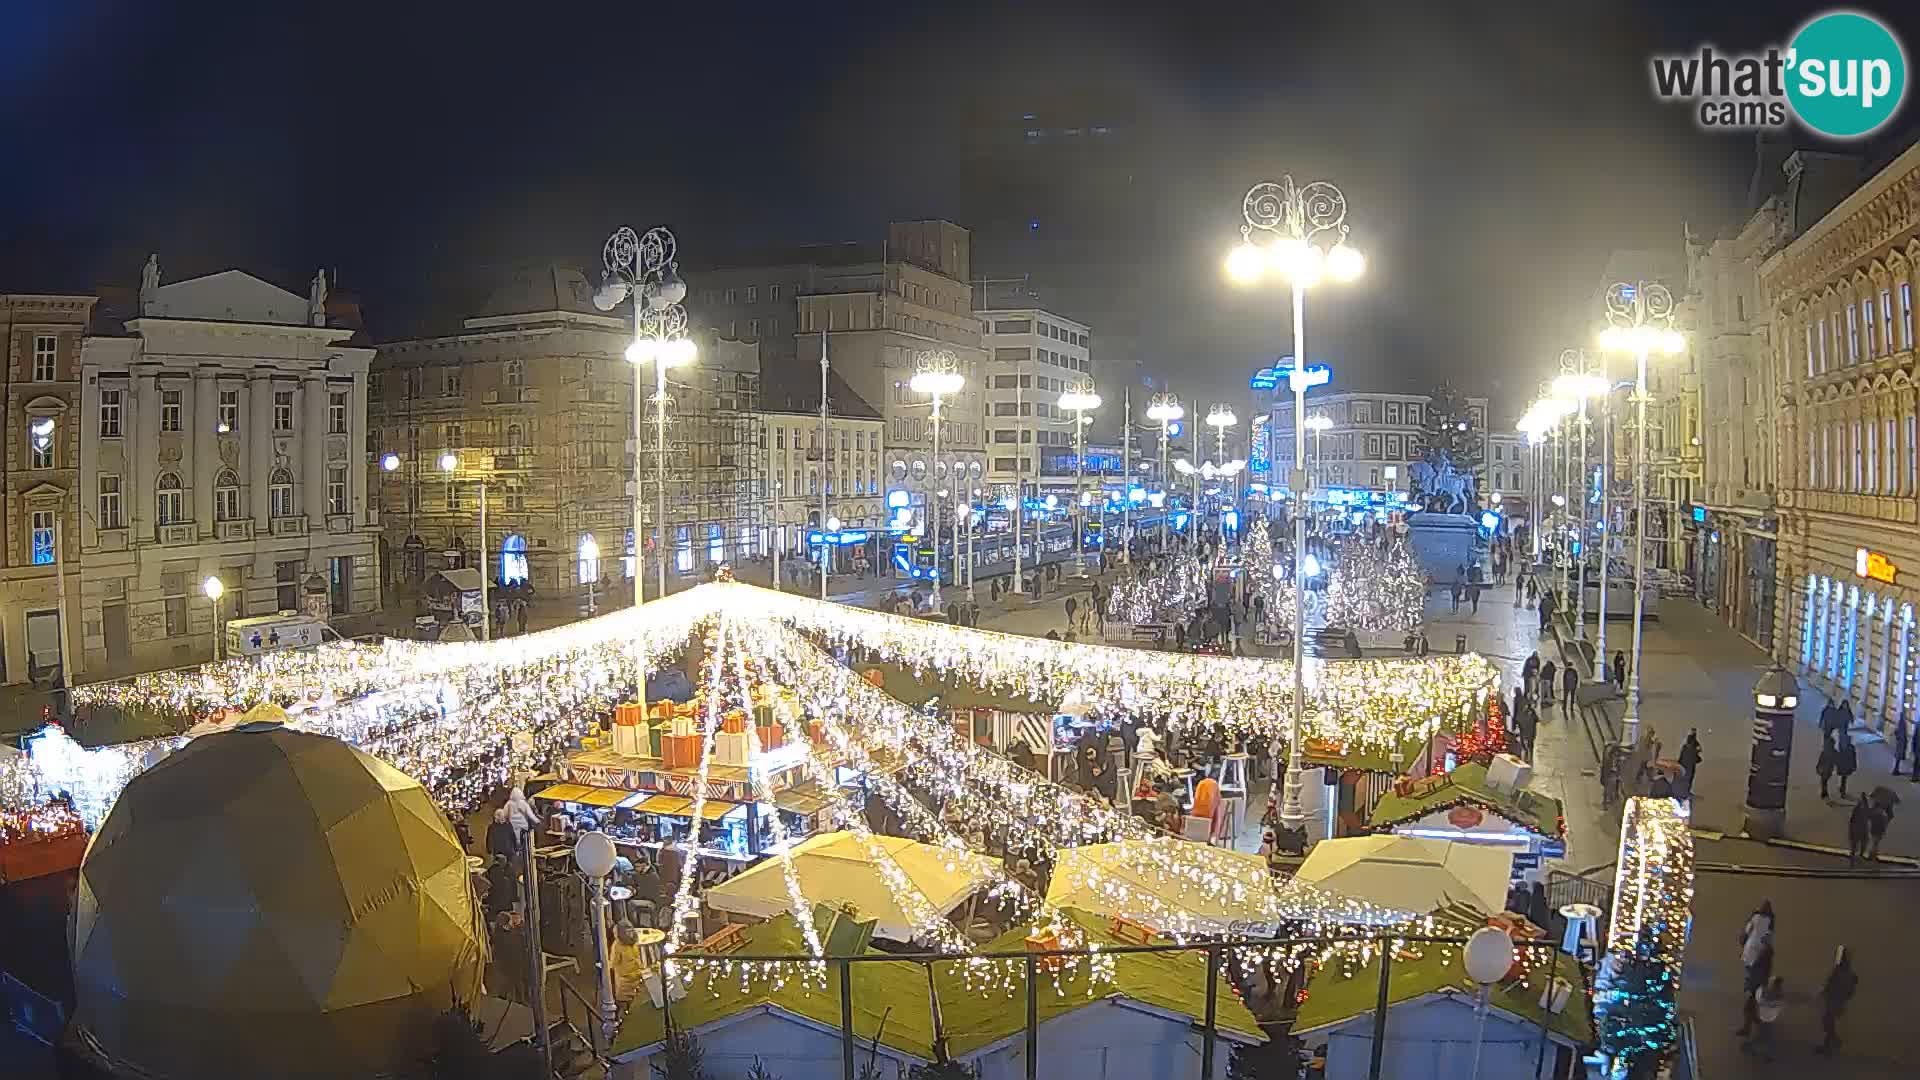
[[1294, 222], [1164, 409], [594, 854], [449, 462], [937, 376], [1318, 424], [1577, 385], [1221, 419], [1640, 318], [642, 267], [1080, 402]]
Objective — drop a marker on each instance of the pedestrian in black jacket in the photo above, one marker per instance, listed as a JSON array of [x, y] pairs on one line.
[[1569, 684], [1824, 766], [1845, 760], [1620, 670], [1857, 830], [1835, 993], [1547, 672]]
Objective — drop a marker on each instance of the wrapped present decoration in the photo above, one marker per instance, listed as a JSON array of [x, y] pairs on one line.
[[772, 737], [817, 733], [875, 678], [730, 748], [734, 723], [1046, 941], [762, 715], [681, 751], [654, 734], [684, 725]]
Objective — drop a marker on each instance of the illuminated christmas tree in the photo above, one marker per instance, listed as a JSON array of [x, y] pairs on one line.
[[1373, 591]]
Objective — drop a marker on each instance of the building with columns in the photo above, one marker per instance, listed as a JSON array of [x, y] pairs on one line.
[[222, 432], [1840, 303], [39, 461]]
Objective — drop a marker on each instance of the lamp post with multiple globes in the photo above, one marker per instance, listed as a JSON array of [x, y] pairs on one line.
[[1164, 409], [1303, 231], [1080, 401], [1640, 323], [449, 464], [938, 376]]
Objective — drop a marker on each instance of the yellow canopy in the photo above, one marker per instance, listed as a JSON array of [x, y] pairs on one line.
[[1224, 888], [837, 869], [1411, 873], [603, 797], [564, 792]]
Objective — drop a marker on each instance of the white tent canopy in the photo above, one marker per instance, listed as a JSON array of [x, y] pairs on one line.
[[838, 870], [1411, 873]]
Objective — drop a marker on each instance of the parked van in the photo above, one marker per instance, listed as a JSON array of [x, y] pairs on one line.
[[272, 633]]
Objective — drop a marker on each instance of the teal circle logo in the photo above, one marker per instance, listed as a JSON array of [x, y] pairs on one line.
[[1846, 74]]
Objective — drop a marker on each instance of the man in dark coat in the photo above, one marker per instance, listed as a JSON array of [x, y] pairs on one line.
[[1547, 672], [1529, 723], [1857, 830], [1845, 760], [1569, 684], [1690, 756]]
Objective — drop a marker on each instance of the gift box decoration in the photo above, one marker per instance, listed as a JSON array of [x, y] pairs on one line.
[[681, 751], [734, 723], [730, 748], [817, 733], [684, 725], [660, 710], [772, 737], [762, 715], [627, 714], [654, 734]]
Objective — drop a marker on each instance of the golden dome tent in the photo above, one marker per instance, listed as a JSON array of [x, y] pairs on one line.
[[268, 902]]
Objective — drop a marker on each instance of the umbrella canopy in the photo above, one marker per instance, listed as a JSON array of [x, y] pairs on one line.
[[838, 870], [1212, 890], [1410, 873]]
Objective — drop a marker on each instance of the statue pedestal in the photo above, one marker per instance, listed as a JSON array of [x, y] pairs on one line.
[[1442, 543]]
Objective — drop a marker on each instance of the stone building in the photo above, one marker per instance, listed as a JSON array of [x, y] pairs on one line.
[[847, 473], [39, 459], [534, 398], [1374, 437], [1034, 355], [1840, 303], [222, 432]]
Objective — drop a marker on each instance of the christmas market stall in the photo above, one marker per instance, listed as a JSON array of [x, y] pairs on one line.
[[1536, 1019], [1138, 1018], [839, 870], [1479, 804]]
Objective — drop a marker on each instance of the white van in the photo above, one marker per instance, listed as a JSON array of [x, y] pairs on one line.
[[271, 633]]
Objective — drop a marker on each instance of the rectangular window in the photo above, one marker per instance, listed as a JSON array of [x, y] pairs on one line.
[[108, 502], [1013, 326], [176, 616], [779, 438], [1867, 330], [1810, 369], [283, 410], [110, 414], [336, 489], [171, 506], [42, 526], [753, 294], [1890, 451], [1853, 334], [337, 413], [1857, 462], [730, 296], [1906, 315], [773, 293], [229, 412], [46, 353], [170, 410], [1872, 457], [753, 328], [450, 382], [1913, 455], [1888, 342], [1823, 343], [226, 503]]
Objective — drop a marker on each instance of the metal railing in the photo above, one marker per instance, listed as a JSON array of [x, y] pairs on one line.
[[1566, 887], [1035, 963]]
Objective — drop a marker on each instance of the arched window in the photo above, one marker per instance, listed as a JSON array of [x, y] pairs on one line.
[[516, 372], [280, 494], [226, 496], [513, 559], [170, 506]]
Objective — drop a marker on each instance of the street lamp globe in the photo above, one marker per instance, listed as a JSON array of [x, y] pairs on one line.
[[213, 587], [1165, 410], [390, 462], [679, 352], [1345, 263], [593, 853], [1245, 263], [833, 524], [1221, 416], [1319, 422], [641, 350], [449, 461]]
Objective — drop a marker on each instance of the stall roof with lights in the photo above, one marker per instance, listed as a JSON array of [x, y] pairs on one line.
[[1467, 785]]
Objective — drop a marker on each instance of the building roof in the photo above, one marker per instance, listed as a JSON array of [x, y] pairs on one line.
[[891, 1002], [1467, 785], [1337, 993], [796, 389]]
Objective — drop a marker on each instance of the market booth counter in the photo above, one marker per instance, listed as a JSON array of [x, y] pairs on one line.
[[1480, 804]]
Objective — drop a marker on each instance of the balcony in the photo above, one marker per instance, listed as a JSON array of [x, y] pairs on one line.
[[512, 462], [176, 533], [237, 529], [295, 525], [339, 524]]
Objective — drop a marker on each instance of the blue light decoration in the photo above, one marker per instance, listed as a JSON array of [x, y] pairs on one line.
[[1700, 514], [897, 498], [1490, 521], [1304, 378], [1267, 378], [1179, 520], [43, 547], [1136, 495], [1259, 462], [1174, 429], [839, 539], [1232, 519]]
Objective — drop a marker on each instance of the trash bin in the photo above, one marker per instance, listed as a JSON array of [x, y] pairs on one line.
[[1460, 644]]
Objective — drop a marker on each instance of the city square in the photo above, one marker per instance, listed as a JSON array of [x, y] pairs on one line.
[[1147, 565]]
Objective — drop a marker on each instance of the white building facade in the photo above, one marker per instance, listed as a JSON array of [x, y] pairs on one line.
[[1033, 356], [223, 435]]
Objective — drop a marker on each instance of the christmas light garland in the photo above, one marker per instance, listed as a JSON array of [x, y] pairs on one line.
[[1375, 591]]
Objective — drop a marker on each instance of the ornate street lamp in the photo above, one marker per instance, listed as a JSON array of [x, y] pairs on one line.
[[1080, 402], [1303, 232], [1164, 409], [937, 375], [1640, 318]]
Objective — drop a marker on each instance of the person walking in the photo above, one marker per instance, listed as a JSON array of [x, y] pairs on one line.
[[1899, 745], [1829, 721], [1879, 816], [1620, 671], [1845, 760], [1857, 828], [1768, 1003], [1824, 766], [1453, 591], [1835, 993], [1758, 932], [1473, 596], [1529, 725], [1690, 757], [1569, 686], [1072, 606], [1547, 672]]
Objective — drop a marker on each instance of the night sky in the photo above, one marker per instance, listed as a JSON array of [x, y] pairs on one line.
[[1491, 162]]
